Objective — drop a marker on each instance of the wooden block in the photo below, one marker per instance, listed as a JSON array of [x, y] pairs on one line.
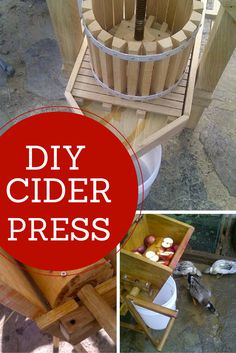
[[105, 59], [118, 11], [133, 69], [164, 27], [175, 61], [49, 319], [58, 289], [17, 292], [99, 308], [129, 9], [119, 66], [146, 70], [161, 67]]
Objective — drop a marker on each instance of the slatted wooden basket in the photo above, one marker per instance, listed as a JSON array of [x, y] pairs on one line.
[[147, 69]]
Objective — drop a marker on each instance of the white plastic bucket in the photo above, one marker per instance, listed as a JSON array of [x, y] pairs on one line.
[[166, 297], [150, 164]]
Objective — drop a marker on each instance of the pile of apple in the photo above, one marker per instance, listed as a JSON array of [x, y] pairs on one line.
[[161, 252]]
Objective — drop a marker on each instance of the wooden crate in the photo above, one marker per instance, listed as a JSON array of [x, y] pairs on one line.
[[144, 124], [142, 268]]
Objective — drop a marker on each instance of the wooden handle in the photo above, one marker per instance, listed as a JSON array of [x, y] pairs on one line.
[[154, 307], [102, 312]]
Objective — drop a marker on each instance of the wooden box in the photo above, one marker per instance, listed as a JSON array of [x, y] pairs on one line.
[[139, 267]]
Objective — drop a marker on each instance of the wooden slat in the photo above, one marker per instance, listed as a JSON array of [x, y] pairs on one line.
[[162, 6], [105, 59], [180, 15], [129, 9], [88, 17], [133, 69], [171, 13], [175, 60], [119, 66], [161, 67], [103, 11], [118, 11], [126, 103], [95, 30], [146, 70], [98, 89], [188, 30]]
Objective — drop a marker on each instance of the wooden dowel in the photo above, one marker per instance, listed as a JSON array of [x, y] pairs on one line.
[[154, 307], [99, 308]]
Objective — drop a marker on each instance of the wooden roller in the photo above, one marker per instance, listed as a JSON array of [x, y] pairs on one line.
[[16, 290], [58, 287], [99, 308]]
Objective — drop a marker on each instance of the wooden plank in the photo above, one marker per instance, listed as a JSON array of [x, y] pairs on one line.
[[99, 308], [86, 5], [118, 11], [146, 69], [129, 9], [103, 11], [119, 66], [203, 257], [58, 289], [16, 290], [162, 342], [67, 26], [175, 61], [105, 59], [133, 69], [88, 17], [198, 6], [161, 67]]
